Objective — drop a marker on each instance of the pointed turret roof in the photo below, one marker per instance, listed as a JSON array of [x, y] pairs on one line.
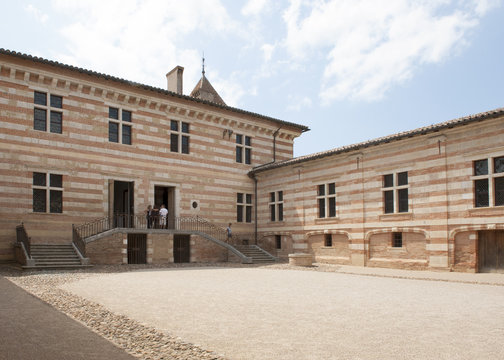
[[205, 91]]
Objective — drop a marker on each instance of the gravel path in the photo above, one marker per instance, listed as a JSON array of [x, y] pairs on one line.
[[257, 313]]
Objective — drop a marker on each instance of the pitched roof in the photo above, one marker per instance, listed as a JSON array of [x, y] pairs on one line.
[[36, 59], [205, 91], [382, 140]]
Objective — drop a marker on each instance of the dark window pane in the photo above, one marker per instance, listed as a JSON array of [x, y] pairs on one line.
[[278, 241], [239, 198], [272, 213], [499, 191], [332, 207], [397, 239], [40, 98], [248, 156], [481, 167], [113, 113], [272, 197], [280, 196], [481, 193], [248, 214], [56, 180], [185, 144], [39, 120], [499, 165], [403, 200], [239, 139], [39, 179], [328, 240], [185, 127], [280, 212], [126, 134], [388, 199], [126, 115], [174, 142], [248, 141], [332, 188], [239, 213], [239, 154], [321, 206], [113, 132], [56, 101], [249, 198], [39, 200], [321, 190], [56, 122], [56, 202], [388, 180], [174, 125], [402, 178]]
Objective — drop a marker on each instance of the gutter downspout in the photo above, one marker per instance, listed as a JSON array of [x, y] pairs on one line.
[[275, 134], [255, 208]]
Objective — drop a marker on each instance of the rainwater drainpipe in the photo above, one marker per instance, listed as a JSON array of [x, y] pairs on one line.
[[274, 143], [255, 208]]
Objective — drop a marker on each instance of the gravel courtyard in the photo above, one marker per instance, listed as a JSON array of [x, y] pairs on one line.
[[255, 313]]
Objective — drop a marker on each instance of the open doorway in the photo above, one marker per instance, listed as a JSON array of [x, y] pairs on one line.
[[165, 195], [122, 203]]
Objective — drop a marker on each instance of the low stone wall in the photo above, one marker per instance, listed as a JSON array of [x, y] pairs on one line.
[[299, 259], [107, 250]]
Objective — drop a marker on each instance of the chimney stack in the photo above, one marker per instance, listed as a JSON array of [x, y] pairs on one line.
[[174, 79]]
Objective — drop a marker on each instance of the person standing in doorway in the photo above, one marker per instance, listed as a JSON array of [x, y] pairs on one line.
[[229, 233], [150, 213], [163, 213]]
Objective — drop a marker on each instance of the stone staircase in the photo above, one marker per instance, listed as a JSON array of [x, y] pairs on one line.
[[258, 255], [49, 256]]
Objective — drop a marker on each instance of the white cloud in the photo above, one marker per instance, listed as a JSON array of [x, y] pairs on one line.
[[267, 50], [296, 103], [368, 46], [39, 15], [254, 7]]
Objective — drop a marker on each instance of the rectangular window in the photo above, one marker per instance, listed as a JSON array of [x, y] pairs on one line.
[[489, 182], [395, 193], [47, 189], [397, 239], [328, 240], [278, 241], [326, 200], [40, 121], [243, 149], [179, 142], [244, 207], [276, 206], [120, 126]]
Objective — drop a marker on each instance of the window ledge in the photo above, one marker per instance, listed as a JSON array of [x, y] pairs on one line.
[[396, 216], [486, 211], [326, 220]]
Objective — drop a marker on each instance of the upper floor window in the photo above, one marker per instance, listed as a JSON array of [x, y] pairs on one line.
[[243, 149], [395, 192], [276, 206], [489, 182], [326, 199], [43, 108], [120, 126], [47, 192], [244, 207], [179, 137]]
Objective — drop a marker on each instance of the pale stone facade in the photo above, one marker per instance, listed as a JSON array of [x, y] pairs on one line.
[[407, 200]]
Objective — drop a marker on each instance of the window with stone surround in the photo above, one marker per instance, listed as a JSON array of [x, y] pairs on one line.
[[397, 239], [179, 136], [328, 240], [44, 109], [395, 192], [326, 200], [243, 207], [120, 125], [243, 149], [276, 206], [47, 193], [488, 179]]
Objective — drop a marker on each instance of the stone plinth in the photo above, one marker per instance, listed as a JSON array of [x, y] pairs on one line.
[[300, 259]]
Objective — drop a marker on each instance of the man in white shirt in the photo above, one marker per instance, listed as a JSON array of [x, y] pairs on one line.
[[163, 213]]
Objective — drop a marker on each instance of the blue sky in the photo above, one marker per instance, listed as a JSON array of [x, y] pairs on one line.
[[351, 70]]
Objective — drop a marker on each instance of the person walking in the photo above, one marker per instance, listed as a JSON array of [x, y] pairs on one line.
[[229, 233]]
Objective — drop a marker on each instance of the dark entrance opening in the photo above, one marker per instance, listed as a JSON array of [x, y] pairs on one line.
[[122, 201], [181, 248], [165, 195], [491, 251], [137, 248]]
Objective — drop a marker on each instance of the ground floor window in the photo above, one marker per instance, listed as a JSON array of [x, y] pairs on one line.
[[397, 240], [278, 241], [47, 192]]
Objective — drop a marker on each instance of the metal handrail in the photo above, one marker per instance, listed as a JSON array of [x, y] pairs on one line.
[[78, 241], [22, 237]]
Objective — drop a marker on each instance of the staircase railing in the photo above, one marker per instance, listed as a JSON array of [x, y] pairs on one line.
[[22, 237], [78, 241]]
